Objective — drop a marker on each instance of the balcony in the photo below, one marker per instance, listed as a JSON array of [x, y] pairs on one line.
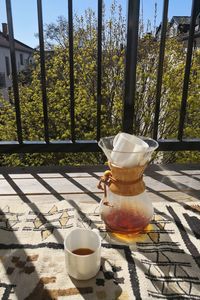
[[166, 260], [178, 141]]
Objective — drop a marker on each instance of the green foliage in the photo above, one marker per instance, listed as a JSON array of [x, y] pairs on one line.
[[85, 90]]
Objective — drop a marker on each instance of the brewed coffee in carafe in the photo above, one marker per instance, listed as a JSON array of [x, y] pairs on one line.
[[126, 207]]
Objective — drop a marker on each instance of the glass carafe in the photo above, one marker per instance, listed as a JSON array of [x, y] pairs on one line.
[[126, 207]]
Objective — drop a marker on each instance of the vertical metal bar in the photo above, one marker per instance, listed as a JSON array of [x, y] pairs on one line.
[[43, 71], [131, 64], [160, 68], [71, 66], [99, 69], [194, 12], [14, 71]]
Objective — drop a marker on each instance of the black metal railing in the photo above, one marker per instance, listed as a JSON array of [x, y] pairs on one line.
[[74, 145], [43, 71]]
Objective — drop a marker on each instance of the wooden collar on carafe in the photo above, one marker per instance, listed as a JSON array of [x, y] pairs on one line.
[[126, 181]]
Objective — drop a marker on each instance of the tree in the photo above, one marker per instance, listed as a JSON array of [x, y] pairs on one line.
[[85, 74]]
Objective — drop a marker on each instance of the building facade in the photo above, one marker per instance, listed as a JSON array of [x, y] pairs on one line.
[[24, 57], [179, 27]]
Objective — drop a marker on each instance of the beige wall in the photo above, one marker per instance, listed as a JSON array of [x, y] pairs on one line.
[[8, 79]]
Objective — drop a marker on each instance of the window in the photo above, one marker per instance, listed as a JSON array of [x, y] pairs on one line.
[[21, 59], [7, 65]]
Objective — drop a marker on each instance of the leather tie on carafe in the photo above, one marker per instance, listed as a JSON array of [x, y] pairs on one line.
[[123, 181]]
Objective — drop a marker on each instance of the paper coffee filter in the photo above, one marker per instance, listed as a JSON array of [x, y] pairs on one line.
[[129, 142], [128, 150]]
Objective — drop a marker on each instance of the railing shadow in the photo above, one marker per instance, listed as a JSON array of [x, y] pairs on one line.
[[85, 190], [169, 267], [168, 181], [33, 207], [16, 259]]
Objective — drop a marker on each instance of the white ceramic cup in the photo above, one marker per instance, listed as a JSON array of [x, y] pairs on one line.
[[82, 267]]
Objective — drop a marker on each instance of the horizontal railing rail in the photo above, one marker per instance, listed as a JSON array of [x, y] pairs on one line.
[[86, 146], [74, 145]]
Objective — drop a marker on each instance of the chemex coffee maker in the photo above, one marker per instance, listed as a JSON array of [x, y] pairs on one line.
[[126, 207]]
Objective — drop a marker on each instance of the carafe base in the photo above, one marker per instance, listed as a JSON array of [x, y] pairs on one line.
[[139, 235]]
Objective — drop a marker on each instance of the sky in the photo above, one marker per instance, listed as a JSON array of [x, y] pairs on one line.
[[25, 13]]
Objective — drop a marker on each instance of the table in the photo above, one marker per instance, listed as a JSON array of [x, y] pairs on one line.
[[38, 206]]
